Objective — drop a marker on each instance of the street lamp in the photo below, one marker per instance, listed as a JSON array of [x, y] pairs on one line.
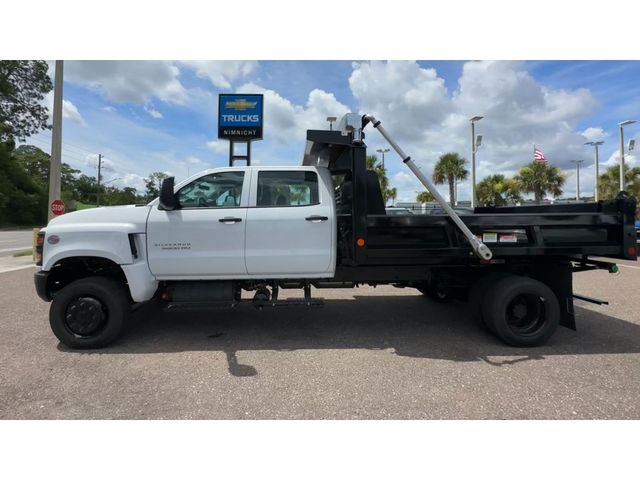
[[475, 143], [596, 144], [331, 120], [577, 162], [621, 125], [383, 151]]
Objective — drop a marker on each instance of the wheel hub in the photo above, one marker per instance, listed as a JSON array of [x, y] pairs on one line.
[[526, 314], [85, 316]]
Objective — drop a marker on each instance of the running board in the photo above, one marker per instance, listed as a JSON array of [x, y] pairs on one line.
[[289, 302]]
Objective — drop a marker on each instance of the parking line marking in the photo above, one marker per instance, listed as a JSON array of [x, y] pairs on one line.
[[13, 269], [14, 248], [628, 266]]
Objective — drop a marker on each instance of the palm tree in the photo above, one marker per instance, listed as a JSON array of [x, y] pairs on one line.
[[449, 169], [373, 164], [424, 197], [541, 179], [609, 182], [497, 190]]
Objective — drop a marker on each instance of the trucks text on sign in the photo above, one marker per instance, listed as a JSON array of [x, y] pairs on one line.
[[240, 116]]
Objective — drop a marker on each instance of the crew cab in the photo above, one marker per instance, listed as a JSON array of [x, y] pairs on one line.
[[322, 224]]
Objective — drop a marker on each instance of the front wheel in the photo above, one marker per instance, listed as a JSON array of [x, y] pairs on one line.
[[89, 313], [522, 311]]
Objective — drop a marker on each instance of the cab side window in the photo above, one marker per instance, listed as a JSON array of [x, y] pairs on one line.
[[287, 188], [217, 190]]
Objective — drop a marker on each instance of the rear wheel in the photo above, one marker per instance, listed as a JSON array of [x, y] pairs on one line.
[[522, 311], [89, 313], [479, 292]]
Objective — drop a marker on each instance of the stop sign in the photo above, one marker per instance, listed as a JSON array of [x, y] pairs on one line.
[[57, 207]]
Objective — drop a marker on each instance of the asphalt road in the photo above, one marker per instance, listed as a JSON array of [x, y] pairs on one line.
[[12, 241], [368, 354]]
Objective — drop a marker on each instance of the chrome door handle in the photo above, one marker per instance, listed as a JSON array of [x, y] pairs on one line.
[[316, 218], [229, 220]]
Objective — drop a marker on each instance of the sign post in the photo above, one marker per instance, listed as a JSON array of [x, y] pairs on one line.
[[240, 121]]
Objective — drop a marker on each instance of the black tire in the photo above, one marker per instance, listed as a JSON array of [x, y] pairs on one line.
[[90, 312], [478, 293], [522, 311], [436, 293]]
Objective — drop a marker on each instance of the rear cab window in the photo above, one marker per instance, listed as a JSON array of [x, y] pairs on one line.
[[287, 188]]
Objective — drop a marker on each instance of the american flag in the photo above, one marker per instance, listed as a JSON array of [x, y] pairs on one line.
[[538, 156]]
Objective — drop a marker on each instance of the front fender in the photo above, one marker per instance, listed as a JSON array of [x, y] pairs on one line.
[[113, 246]]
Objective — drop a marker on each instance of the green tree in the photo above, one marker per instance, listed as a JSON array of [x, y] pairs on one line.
[[497, 190], [23, 85], [609, 182], [541, 179], [37, 163], [449, 169], [153, 183], [373, 164], [22, 201], [425, 197]]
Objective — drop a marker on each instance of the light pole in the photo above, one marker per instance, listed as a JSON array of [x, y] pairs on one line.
[[577, 162], [474, 148], [622, 125], [383, 151], [331, 120], [596, 144]]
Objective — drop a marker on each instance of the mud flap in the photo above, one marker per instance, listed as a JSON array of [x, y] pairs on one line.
[[559, 278]]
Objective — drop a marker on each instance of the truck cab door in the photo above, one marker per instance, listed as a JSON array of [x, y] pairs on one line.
[[290, 224], [204, 236]]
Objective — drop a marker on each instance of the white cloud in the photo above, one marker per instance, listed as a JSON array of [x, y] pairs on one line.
[[109, 108], [69, 110], [415, 107], [287, 122], [154, 113], [125, 81], [194, 161], [218, 146], [133, 180], [408, 98], [594, 134], [221, 73]]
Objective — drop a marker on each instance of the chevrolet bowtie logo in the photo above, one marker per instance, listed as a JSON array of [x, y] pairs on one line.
[[240, 104]]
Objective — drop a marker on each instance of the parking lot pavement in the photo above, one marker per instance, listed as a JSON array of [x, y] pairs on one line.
[[369, 353]]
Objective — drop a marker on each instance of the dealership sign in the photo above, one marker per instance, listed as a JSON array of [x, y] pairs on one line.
[[240, 117]]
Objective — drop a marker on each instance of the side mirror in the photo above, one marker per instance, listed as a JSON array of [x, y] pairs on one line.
[[167, 197]]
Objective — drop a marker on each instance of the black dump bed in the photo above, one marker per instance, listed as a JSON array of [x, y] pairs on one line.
[[368, 237], [601, 229]]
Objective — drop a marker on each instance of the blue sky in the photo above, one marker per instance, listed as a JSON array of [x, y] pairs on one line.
[[161, 116]]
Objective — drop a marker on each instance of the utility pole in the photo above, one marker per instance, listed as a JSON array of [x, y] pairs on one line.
[[383, 151], [621, 135], [99, 170], [596, 144], [55, 166], [474, 149], [577, 162]]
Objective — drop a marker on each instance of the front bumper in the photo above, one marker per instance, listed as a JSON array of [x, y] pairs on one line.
[[40, 279]]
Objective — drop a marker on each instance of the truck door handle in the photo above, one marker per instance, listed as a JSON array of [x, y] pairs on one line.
[[316, 218], [229, 220]]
